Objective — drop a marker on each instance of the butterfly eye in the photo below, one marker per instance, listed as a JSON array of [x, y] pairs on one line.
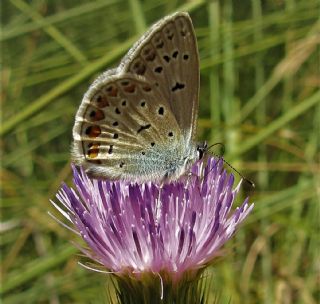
[[185, 56], [124, 103], [201, 149], [170, 134]]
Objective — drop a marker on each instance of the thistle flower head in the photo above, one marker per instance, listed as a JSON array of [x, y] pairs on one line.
[[175, 229]]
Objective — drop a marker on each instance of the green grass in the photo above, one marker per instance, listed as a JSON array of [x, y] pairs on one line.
[[259, 96]]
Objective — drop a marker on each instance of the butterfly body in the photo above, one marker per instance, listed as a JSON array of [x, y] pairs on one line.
[[138, 121]]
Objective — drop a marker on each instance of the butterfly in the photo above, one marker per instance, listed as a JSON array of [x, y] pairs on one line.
[[138, 121]]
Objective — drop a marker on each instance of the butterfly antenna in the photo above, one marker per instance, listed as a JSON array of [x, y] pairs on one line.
[[217, 144], [251, 183]]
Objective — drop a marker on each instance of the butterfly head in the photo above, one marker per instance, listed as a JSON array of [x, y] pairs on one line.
[[202, 148]]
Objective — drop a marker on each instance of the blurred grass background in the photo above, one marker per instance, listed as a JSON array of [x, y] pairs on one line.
[[259, 96]]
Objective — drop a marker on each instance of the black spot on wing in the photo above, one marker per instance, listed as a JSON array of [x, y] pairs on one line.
[[143, 128], [178, 86]]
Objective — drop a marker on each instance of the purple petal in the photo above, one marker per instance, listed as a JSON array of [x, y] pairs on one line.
[[174, 227]]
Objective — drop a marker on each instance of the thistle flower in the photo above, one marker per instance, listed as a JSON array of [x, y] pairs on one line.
[[146, 234]]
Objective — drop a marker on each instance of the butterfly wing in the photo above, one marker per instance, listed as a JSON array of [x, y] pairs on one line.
[[124, 129], [167, 56], [138, 121]]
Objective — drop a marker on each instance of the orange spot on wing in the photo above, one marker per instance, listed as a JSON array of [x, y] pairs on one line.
[[146, 88], [130, 88], [93, 131], [96, 115], [112, 91], [94, 151], [102, 101]]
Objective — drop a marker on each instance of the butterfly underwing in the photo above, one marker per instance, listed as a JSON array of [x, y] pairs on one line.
[[138, 121]]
